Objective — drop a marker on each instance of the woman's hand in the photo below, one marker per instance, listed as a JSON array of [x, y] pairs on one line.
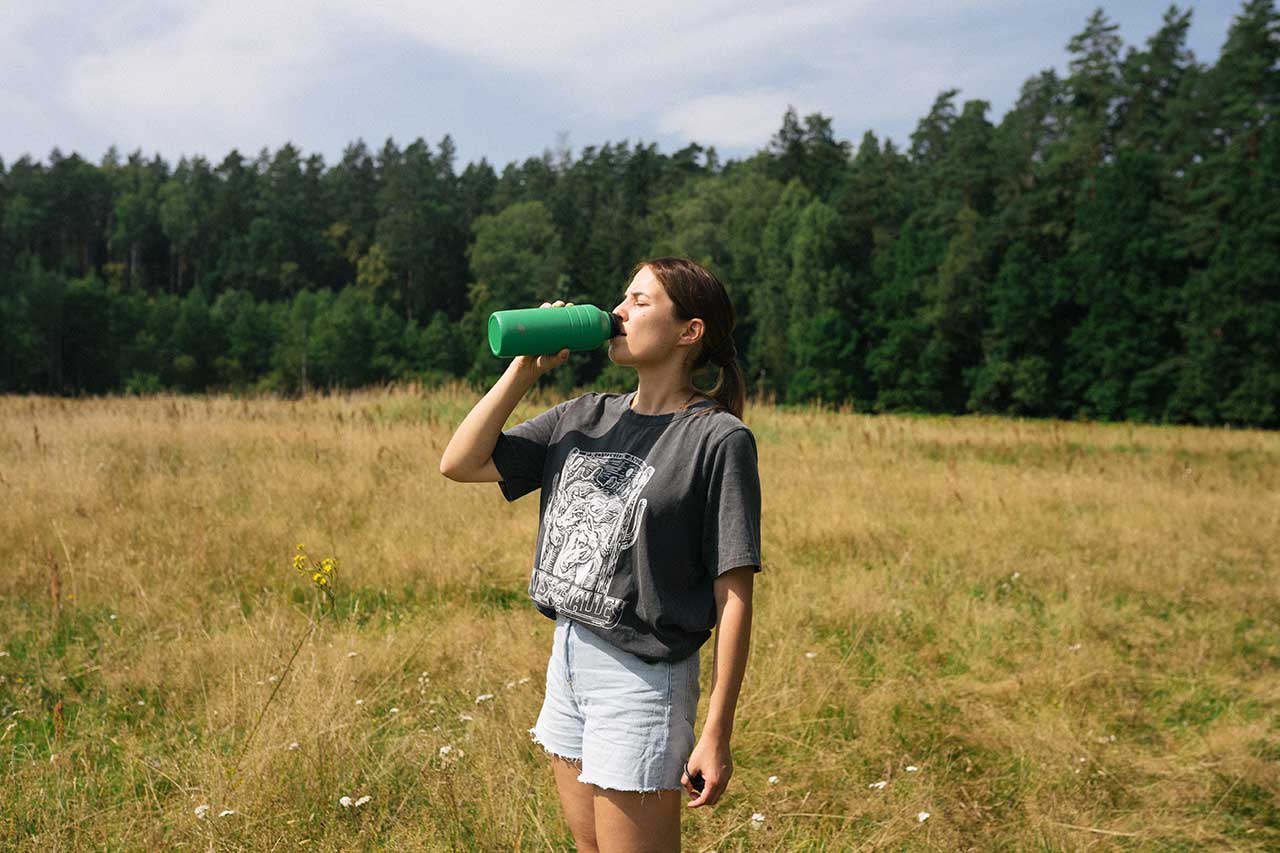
[[536, 365], [710, 758]]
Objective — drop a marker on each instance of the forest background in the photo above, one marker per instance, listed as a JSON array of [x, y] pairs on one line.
[[1109, 250]]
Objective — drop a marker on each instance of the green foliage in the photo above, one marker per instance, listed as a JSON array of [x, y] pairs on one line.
[[1107, 249], [518, 263]]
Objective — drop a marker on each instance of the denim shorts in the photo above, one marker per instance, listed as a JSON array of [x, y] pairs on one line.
[[629, 722]]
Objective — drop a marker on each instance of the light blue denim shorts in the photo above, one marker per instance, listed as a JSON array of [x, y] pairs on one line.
[[629, 722]]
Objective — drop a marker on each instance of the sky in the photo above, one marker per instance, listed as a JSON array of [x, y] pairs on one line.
[[508, 80]]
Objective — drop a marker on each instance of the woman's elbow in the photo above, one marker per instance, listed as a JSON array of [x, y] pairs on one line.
[[485, 473], [447, 468]]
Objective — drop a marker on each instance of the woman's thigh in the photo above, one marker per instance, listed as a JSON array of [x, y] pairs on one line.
[[577, 800], [636, 821]]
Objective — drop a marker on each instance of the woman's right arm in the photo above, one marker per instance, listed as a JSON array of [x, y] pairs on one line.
[[469, 456]]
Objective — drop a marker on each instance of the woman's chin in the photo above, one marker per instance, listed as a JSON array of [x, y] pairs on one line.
[[618, 352]]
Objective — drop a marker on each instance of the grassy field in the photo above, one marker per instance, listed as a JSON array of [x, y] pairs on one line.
[[1044, 635]]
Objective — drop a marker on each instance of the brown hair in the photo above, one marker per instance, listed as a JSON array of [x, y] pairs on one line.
[[696, 292]]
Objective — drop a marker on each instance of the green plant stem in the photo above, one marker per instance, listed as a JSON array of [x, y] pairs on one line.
[[311, 626]]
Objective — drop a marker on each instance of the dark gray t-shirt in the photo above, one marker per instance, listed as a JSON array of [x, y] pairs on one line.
[[638, 516]]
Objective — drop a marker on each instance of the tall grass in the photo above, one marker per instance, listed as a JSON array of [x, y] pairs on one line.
[[1070, 631]]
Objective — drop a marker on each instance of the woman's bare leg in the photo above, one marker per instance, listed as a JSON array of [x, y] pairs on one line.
[[637, 822], [577, 800]]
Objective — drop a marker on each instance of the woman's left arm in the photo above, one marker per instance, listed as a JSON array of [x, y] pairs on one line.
[[729, 661]]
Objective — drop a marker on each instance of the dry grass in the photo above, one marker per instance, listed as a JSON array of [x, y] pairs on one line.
[[1071, 630]]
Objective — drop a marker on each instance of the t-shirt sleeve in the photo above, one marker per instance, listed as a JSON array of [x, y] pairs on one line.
[[731, 527], [521, 452]]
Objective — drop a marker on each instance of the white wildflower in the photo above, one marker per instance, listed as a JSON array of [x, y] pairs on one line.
[[140, 702], [273, 679], [878, 785], [757, 817], [1015, 576], [394, 711], [352, 654], [483, 697], [466, 718], [773, 780], [226, 812], [445, 750], [524, 680], [922, 817], [811, 655], [359, 701], [294, 745], [911, 768], [202, 810], [113, 616], [345, 802], [366, 798], [508, 685]]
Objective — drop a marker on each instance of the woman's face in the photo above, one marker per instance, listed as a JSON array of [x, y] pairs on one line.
[[651, 331]]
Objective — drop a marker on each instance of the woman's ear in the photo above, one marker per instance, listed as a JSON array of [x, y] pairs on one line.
[[694, 331]]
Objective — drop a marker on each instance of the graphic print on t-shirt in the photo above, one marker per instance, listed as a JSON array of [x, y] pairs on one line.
[[593, 516]]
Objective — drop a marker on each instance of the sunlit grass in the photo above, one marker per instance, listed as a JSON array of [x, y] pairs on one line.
[[970, 633]]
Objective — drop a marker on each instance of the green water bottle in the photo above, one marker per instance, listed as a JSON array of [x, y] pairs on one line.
[[543, 331]]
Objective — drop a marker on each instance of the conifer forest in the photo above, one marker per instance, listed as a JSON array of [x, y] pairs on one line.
[[1108, 249]]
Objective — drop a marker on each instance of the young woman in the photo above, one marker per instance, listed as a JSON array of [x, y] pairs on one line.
[[649, 537]]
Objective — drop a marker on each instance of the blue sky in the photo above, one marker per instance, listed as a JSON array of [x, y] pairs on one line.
[[507, 80]]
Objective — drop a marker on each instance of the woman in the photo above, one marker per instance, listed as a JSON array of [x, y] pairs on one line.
[[649, 536]]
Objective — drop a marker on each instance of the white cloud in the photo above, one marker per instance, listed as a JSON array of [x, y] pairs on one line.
[[736, 120], [219, 74], [186, 76], [222, 74], [717, 72]]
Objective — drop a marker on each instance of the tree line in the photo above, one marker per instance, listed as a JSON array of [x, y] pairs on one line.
[[1110, 249]]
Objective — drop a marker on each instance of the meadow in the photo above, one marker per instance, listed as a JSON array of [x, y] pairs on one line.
[[970, 634]]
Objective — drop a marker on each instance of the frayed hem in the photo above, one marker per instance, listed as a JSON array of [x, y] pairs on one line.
[[533, 735], [582, 778]]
